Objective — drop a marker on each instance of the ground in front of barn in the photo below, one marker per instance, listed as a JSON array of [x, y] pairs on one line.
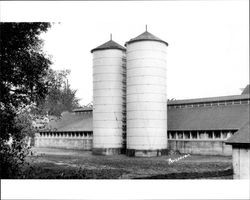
[[48, 163]]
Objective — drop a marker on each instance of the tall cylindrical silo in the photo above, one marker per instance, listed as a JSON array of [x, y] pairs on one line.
[[146, 96], [109, 78]]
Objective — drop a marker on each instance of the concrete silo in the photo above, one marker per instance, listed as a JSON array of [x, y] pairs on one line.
[[109, 78], [146, 96]]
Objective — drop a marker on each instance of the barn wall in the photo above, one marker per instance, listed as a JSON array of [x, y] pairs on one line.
[[83, 143], [241, 163], [202, 147]]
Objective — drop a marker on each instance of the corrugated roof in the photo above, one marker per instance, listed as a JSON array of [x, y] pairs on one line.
[[71, 122], [208, 118], [242, 136], [210, 99], [109, 45], [189, 118], [229, 117], [146, 36]]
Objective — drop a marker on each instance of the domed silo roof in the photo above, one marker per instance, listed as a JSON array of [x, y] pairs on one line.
[[109, 45], [146, 36]]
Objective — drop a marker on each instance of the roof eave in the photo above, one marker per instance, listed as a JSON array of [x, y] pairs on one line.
[[140, 40], [100, 49]]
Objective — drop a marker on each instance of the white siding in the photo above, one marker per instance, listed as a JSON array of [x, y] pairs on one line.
[[241, 163], [146, 96], [108, 98]]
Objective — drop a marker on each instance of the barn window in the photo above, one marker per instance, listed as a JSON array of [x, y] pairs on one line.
[[225, 135], [229, 103], [186, 135], [217, 134], [172, 135], [210, 135], [194, 134], [244, 102], [180, 135]]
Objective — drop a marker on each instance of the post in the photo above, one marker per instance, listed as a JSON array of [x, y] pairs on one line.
[[221, 135]]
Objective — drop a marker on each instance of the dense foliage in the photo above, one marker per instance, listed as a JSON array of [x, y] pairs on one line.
[[23, 72], [60, 96]]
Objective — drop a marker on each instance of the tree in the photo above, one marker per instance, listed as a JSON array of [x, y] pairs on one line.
[[23, 71], [23, 64], [60, 96]]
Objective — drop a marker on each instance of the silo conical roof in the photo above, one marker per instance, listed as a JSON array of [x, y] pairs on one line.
[[146, 36], [109, 45]]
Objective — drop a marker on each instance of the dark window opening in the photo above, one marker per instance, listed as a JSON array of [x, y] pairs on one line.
[[187, 135], [210, 135], [217, 134], [194, 134]]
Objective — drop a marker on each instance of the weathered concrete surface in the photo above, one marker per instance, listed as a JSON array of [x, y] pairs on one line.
[[65, 143], [106, 151], [146, 153], [202, 147], [241, 163]]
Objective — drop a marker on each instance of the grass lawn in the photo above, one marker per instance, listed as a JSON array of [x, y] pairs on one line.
[[63, 164]]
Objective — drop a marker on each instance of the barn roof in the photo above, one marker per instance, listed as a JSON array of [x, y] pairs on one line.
[[208, 118], [146, 36], [242, 136], [229, 117], [71, 121], [210, 99], [222, 117], [109, 45]]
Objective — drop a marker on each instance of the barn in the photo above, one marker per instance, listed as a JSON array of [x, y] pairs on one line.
[[131, 113], [196, 126]]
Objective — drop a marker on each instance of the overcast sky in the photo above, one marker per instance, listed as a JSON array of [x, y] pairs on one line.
[[208, 52]]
